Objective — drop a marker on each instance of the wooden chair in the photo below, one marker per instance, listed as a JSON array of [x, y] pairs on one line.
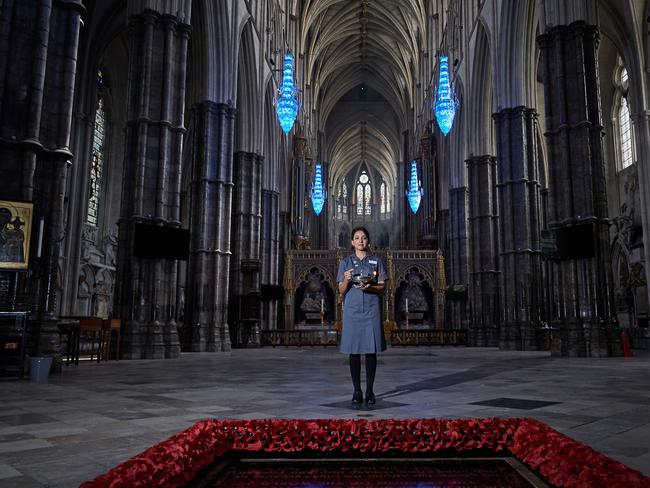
[[91, 328], [111, 326]]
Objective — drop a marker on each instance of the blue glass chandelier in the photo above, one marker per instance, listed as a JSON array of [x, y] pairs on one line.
[[415, 192], [445, 102], [318, 194], [288, 102]]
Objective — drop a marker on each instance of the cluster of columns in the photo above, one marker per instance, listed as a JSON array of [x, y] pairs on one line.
[[504, 208], [38, 58], [582, 288], [146, 287], [226, 203], [206, 317], [520, 226]]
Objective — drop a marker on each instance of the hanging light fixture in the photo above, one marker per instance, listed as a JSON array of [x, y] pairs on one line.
[[288, 102], [318, 194], [415, 192], [445, 102]]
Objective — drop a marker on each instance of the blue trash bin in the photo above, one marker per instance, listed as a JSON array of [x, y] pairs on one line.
[[39, 368]]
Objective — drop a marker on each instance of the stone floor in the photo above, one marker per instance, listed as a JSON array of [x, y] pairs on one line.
[[94, 416]]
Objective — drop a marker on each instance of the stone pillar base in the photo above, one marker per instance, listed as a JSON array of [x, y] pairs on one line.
[[519, 337], [483, 337], [586, 339], [172, 346], [225, 338], [154, 347], [131, 346], [199, 338]]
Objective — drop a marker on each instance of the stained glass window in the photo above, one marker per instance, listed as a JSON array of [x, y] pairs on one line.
[[367, 199], [625, 130], [339, 201], [359, 199], [364, 195], [387, 201], [96, 161], [623, 120], [345, 198], [382, 196]]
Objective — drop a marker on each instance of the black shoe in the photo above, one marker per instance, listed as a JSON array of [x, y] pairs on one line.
[[357, 397], [370, 398]]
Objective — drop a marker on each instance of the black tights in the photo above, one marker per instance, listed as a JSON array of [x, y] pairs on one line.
[[355, 371]]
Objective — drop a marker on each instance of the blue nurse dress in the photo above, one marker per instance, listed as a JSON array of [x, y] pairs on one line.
[[362, 330]]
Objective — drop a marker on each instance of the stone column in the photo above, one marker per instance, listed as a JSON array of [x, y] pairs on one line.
[[400, 205], [428, 207], [483, 252], [458, 259], [145, 295], [583, 294], [270, 246], [38, 63], [642, 130], [245, 262], [520, 223], [298, 179], [211, 190]]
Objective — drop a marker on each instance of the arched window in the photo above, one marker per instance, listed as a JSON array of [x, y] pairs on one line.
[[622, 117], [345, 198], [625, 130], [364, 195], [97, 157], [359, 199], [339, 201], [382, 196], [387, 200]]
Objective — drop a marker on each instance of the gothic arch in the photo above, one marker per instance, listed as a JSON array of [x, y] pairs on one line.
[[249, 121], [304, 272], [456, 143], [213, 53], [403, 271], [516, 45], [481, 127], [271, 142]]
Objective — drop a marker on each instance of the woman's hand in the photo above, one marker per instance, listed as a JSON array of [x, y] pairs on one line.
[[377, 288], [345, 284]]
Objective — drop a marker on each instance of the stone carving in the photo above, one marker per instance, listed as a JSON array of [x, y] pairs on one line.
[[637, 275], [414, 294], [301, 242], [110, 246], [314, 299], [97, 276]]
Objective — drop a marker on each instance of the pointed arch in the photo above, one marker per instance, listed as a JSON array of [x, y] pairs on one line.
[[481, 127], [247, 96]]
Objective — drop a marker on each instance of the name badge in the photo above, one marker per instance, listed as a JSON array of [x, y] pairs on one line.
[[372, 262]]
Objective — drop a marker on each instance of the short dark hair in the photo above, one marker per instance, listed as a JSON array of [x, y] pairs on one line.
[[357, 229]]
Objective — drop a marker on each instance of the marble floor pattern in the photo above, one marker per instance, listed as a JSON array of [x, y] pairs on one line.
[[93, 416]]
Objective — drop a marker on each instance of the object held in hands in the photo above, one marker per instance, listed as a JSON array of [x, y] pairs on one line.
[[359, 280]]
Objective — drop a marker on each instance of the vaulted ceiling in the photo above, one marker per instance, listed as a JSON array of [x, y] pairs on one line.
[[354, 47]]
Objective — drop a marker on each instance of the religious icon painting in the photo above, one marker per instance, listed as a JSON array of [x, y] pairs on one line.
[[15, 234]]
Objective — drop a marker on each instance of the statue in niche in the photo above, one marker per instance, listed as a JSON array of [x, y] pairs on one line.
[[314, 299], [413, 293], [110, 245], [84, 294]]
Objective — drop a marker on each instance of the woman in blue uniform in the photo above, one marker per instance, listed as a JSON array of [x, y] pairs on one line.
[[361, 279]]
